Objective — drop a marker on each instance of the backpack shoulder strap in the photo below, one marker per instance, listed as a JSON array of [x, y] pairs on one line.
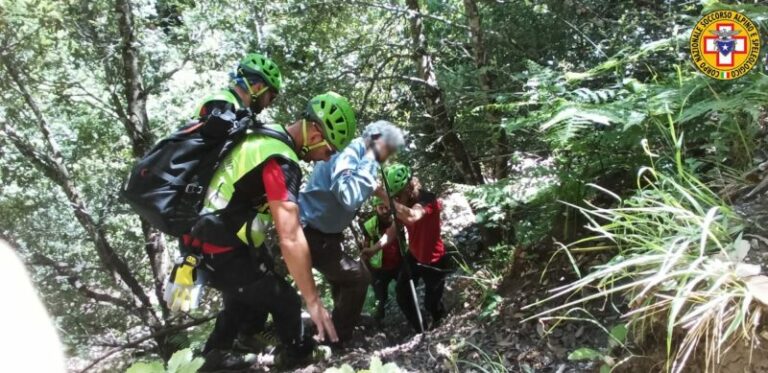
[[275, 134]]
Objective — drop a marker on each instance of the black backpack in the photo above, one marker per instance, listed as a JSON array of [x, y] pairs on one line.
[[167, 186]]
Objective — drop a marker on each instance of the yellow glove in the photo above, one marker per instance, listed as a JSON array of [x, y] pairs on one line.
[[182, 293]]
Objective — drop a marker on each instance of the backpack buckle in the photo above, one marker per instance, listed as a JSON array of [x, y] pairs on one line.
[[193, 189]]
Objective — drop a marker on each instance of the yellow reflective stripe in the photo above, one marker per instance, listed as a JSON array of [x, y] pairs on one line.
[[216, 200], [258, 230]]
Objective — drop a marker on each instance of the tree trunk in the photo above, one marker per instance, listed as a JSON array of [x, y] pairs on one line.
[[154, 247], [136, 122], [442, 121], [501, 152]]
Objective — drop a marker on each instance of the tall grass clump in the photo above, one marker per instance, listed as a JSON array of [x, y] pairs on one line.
[[678, 264]]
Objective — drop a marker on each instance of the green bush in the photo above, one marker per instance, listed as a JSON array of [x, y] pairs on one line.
[[678, 262], [182, 361]]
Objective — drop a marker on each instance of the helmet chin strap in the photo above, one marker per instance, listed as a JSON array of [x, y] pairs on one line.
[[254, 95], [305, 149]]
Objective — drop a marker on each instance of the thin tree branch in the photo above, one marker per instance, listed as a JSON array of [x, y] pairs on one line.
[[32, 104], [407, 12], [9, 48], [121, 114], [161, 78], [159, 333], [103, 105], [45, 163], [373, 80], [410, 79], [583, 35], [65, 270]]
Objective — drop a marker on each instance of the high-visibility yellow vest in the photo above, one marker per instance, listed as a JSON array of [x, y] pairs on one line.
[[247, 155], [372, 228]]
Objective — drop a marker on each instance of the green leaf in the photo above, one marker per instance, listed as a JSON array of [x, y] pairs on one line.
[[192, 366], [179, 359], [376, 366], [492, 303], [605, 369], [390, 368], [619, 334], [585, 353], [346, 368], [153, 367]]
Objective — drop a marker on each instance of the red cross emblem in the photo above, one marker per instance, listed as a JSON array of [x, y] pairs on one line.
[[710, 46]]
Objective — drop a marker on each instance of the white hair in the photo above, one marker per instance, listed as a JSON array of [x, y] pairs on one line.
[[391, 135]]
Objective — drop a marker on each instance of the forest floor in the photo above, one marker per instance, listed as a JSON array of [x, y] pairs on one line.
[[467, 337]]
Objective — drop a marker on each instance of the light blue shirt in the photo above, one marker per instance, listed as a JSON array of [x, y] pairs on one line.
[[337, 188]]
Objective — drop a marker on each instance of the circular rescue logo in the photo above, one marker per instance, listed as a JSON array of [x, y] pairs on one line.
[[725, 44]]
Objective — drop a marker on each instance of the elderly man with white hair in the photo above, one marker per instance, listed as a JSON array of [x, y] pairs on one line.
[[335, 191]]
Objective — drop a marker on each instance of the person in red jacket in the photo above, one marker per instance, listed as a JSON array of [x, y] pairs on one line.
[[383, 258], [419, 211]]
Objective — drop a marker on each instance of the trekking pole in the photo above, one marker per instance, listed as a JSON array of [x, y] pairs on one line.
[[403, 249]]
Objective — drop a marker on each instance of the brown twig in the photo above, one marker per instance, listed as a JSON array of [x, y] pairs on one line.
[[65, 270], [156, 334]]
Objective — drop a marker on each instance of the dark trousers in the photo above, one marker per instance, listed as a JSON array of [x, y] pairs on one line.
[[434, 283], [251, 291], [381, 280], [349, 278]]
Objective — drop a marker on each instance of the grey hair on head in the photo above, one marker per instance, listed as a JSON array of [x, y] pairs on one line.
[[388, 132]]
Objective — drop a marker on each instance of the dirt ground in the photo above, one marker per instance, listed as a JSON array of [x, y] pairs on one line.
[[498, 342]]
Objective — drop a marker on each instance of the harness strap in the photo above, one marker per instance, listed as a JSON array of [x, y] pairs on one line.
[[206, 248]]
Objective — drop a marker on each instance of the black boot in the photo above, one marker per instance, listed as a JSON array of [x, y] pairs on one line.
[[256, 342], [225, 361], [298, 354]]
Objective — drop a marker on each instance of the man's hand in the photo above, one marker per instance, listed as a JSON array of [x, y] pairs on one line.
[[323, 321], [381, 193], [295, 250], [368, 252]]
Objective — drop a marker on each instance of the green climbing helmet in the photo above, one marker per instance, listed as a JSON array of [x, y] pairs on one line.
[[398, 175], [336, 117], [258, 64]]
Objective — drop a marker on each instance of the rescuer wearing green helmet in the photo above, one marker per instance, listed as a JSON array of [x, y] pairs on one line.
[[419, 211], [383, 260], [255, 84], [258, 182], [335, 191]]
